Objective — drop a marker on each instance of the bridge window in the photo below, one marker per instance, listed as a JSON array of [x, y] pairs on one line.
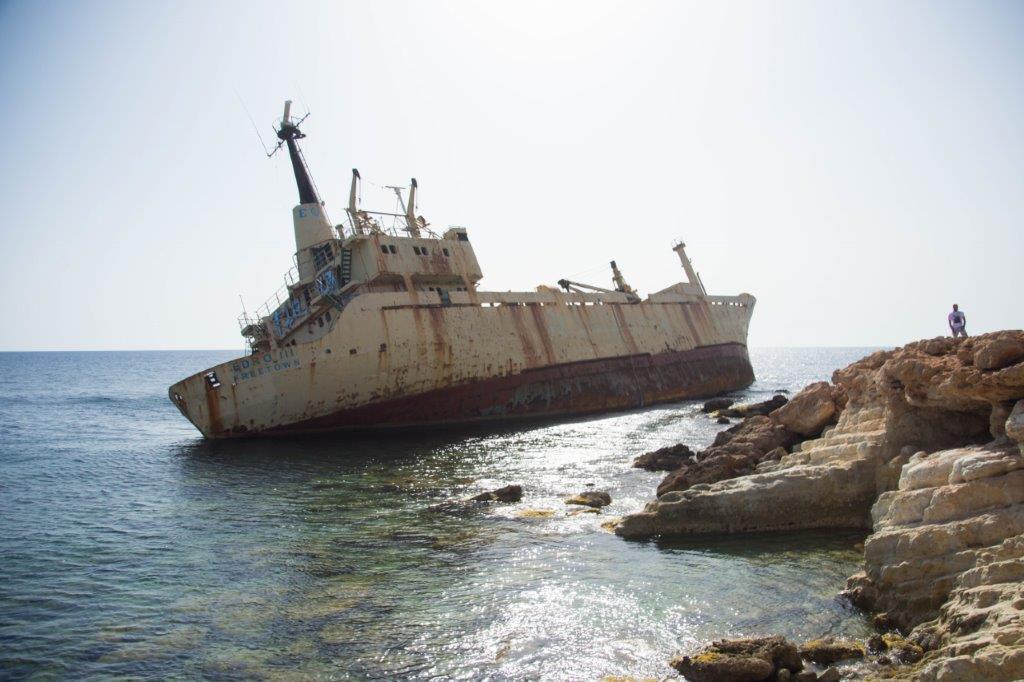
[[445, 252], [392, 249], [322, 255], [384, 248], [416, 250]]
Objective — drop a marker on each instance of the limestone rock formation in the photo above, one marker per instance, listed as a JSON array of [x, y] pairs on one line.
[[947, 556], [927, 396], [928, 453]]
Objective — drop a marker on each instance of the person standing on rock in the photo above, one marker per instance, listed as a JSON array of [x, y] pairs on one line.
[[957, 322]]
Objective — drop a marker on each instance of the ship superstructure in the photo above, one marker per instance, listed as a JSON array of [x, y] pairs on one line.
[[386, 327]]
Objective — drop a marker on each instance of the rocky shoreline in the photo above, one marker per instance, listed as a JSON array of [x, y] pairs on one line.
[[923, 446]]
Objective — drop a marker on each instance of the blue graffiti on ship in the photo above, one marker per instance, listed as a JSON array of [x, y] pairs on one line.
[[261, 364]]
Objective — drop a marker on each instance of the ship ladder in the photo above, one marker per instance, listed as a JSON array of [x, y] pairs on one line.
[[346, 266]]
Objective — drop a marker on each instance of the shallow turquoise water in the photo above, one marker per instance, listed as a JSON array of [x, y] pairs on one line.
[[133, 548]]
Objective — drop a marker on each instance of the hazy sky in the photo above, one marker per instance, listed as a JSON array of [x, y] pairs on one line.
[[856, 166]]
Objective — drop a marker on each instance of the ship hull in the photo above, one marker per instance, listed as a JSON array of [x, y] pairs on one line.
[[386, 362], [577, 388]]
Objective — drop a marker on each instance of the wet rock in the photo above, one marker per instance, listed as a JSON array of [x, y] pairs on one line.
[[722, 420], [805, 676], [510, 493], [876, 644], [753, 659], [783, 675], [665, 459], [901, 650], [828, 650], [716, 404], [591, 498], [809, 411], [830, 675], [999, 352], [752, 409]]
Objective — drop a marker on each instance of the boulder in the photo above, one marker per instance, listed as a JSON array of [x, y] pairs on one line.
[[591, 498], [999, 352], [751, 660], [828, 650], [665, 459], [809, 411], [716, 404], [510, 493], [722, 420]]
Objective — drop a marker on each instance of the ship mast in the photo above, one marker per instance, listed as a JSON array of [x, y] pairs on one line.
[[288, 133], [312, 229]]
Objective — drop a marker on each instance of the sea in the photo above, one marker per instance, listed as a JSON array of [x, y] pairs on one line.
[[132, 548]]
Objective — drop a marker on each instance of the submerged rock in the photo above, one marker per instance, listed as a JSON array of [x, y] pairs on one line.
[[740, 660], [591, 498], [510, 493]]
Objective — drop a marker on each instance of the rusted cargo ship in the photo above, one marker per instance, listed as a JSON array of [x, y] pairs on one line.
[[385, 327]]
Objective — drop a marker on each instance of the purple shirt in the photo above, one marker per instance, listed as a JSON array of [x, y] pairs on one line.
[[956, 318]]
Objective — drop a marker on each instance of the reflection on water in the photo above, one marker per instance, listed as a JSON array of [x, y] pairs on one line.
[[133, 548]]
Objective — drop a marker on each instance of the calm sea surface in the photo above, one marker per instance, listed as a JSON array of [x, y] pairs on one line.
[[130, 547]]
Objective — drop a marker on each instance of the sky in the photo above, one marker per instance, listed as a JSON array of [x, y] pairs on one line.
[[856, 166]]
